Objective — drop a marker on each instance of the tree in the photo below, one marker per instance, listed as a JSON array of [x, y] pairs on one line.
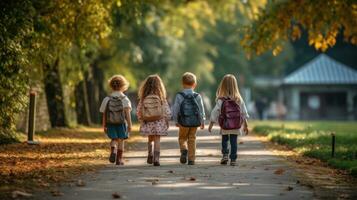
[[15, 26], [284, 20]]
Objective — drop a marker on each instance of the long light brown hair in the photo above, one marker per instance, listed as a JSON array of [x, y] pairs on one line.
[[152, 85], [229, 88]]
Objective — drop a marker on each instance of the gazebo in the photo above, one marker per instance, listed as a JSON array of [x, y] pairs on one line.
[[322, 89]]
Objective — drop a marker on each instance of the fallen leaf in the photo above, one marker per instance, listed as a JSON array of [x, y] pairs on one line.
[[289, 188], [80, 183], [241, 142], [154, 183], [279, 171], [56, 193], [267, 168], [192, 178], [344, 196], [116, 195], [171, 171], [297, 182], [17, 194]]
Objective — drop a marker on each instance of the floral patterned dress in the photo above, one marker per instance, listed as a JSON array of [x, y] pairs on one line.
[[158, 127]]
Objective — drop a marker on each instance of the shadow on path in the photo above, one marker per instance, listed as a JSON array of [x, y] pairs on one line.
[[253, 178]]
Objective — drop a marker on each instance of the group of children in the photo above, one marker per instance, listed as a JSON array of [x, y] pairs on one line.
[[154, 114]]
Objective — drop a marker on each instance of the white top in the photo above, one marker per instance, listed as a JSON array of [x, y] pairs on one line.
[[217, 111], [125, 100]]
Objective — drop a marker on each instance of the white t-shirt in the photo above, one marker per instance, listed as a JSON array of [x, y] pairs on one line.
[[125, 100]]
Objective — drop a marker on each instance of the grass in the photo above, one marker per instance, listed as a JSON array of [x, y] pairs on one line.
[[62, 154], [313, 139]]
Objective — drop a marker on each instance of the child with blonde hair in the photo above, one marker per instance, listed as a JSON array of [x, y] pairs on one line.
[[154, 114], [231, 114], [116, 110]]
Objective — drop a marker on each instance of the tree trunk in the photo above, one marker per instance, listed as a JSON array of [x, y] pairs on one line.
[[95, 90], [54, 94], [82, 115]]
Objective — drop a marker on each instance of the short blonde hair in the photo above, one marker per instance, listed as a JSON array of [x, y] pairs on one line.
[[188, 78], [118, 82], [229, 88]]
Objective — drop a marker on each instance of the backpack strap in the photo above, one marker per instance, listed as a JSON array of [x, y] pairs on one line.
[[182, 94]]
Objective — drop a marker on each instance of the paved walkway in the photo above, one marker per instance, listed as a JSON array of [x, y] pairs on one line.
[[259, 175]]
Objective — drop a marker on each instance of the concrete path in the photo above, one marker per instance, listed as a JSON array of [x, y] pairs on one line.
[[258, 175]]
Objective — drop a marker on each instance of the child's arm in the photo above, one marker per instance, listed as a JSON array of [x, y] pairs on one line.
[[128, 118], [176, 109], [245, 127], [210, 127], [202, 110], [104, 124]]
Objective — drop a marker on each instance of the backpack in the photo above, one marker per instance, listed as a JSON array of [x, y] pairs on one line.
[[115, 111], [152, 108], [230, 117], [189, 115]]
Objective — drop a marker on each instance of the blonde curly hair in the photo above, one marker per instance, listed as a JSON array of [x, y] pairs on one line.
[[152, 85], [118, 82]]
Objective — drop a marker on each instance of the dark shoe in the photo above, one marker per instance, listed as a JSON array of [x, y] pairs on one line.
[[224, 160], [113, 155], [119, 160], [233, 162], [150, 159], [183, 158], [156, 163], [191, 162]]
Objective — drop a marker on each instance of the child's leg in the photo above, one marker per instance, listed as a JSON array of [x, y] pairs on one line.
[[150, 145], [120, 152], [113, 150], [233, 142], [225, 149], [183, 137], [157, 150], [150, 149], [192, 145]]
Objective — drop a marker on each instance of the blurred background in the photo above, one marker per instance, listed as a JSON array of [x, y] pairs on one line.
[[301, 68]]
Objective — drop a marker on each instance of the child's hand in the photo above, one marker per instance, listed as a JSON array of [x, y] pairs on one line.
[[245, 130], [105, 129], [210, 127], [129, 129], [202, 126]]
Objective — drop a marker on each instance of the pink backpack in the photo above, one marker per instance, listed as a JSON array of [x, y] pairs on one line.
[[230, 117]]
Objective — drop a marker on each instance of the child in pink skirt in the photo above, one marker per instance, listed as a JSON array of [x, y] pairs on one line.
[[154, 114]]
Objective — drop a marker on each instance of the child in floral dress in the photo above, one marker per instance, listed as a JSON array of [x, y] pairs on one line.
[[154, 114]]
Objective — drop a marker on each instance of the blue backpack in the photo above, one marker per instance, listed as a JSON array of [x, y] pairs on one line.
[[189, 115]]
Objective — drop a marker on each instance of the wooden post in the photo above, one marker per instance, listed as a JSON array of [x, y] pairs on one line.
[[333, 144], [32, 116]]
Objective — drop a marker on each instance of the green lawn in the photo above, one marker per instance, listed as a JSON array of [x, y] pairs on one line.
[[314, 139]]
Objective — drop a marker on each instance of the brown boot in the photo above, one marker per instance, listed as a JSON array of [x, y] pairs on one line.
[[119, 158], [113, 155], [156, 158]]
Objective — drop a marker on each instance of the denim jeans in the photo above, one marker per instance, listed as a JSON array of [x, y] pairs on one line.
[[233, 142]]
